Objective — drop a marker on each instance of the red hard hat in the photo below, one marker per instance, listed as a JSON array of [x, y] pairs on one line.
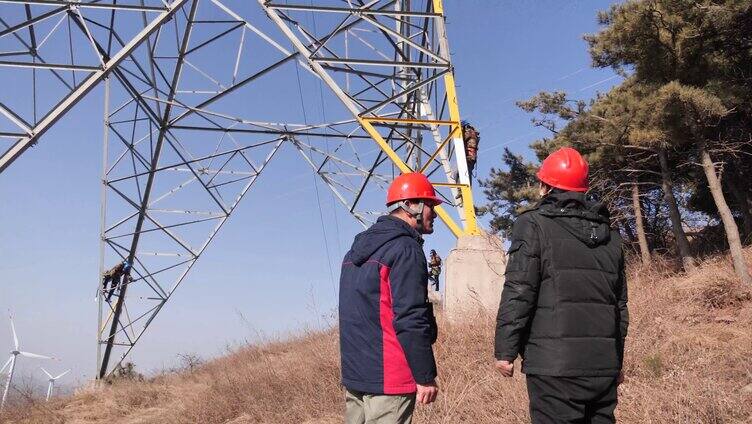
[[413, 185], [565, 169]]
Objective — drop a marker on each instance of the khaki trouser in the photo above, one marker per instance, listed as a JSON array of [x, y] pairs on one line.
[[364, 408]]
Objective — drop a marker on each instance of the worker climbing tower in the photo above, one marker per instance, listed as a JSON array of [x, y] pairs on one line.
[[198, 97]]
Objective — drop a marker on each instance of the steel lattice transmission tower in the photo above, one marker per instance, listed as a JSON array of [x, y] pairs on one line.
[[197, 100]]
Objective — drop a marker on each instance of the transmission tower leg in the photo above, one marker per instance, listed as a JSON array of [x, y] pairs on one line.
[[102, 221], [149, 183]]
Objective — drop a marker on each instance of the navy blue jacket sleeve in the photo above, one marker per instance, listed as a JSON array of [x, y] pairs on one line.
[[520, 295], [414, 322]]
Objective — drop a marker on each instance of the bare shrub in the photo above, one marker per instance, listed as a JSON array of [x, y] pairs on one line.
[[125, 372], [190, 362]]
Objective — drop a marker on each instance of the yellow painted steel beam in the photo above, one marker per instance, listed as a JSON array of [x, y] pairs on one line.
[[471, 222], [438, 150], [411, 120], [468, 208], [384, 145], [453, 227], [438, 7], [445, 217]]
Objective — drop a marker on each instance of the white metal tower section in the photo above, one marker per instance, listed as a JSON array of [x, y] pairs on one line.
[[199, 97]]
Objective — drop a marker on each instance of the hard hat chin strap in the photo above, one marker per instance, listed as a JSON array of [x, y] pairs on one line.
[[417, 214]]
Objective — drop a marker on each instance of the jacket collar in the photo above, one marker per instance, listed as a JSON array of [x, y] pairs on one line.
[[565, 199], [571, 203], [402, 224]]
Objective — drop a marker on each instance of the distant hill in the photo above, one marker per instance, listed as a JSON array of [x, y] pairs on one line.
[[688, 360]]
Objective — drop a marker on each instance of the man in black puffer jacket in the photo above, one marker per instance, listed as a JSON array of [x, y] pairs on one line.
[[564, 303]]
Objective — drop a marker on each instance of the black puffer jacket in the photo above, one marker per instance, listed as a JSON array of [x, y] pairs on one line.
[[564, 304]]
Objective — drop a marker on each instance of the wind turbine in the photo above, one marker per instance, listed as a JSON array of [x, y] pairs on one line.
[[12, 361], [52, 382]]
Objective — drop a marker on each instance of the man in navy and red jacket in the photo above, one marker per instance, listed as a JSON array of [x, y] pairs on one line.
[[386, 323]]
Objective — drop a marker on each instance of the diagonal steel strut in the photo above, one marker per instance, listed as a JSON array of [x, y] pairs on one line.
[[67, 103], [147, 191]]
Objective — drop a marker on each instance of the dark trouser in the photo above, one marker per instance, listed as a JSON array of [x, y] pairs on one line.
[[586, 400], [470, 168], [113, 285], [434, 281]]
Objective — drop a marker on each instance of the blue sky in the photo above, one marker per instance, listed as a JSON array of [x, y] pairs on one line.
[[267, 273]]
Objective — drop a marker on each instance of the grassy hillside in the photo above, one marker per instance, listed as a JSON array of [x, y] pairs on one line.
[[688, 360]]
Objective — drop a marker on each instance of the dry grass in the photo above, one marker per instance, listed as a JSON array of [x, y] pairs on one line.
[[689, 356]]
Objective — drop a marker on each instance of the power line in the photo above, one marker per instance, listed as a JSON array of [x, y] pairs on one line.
[[326, 143], [315, 185]]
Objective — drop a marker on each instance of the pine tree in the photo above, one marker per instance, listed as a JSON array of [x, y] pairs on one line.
[[690, 52], [509, 192]]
